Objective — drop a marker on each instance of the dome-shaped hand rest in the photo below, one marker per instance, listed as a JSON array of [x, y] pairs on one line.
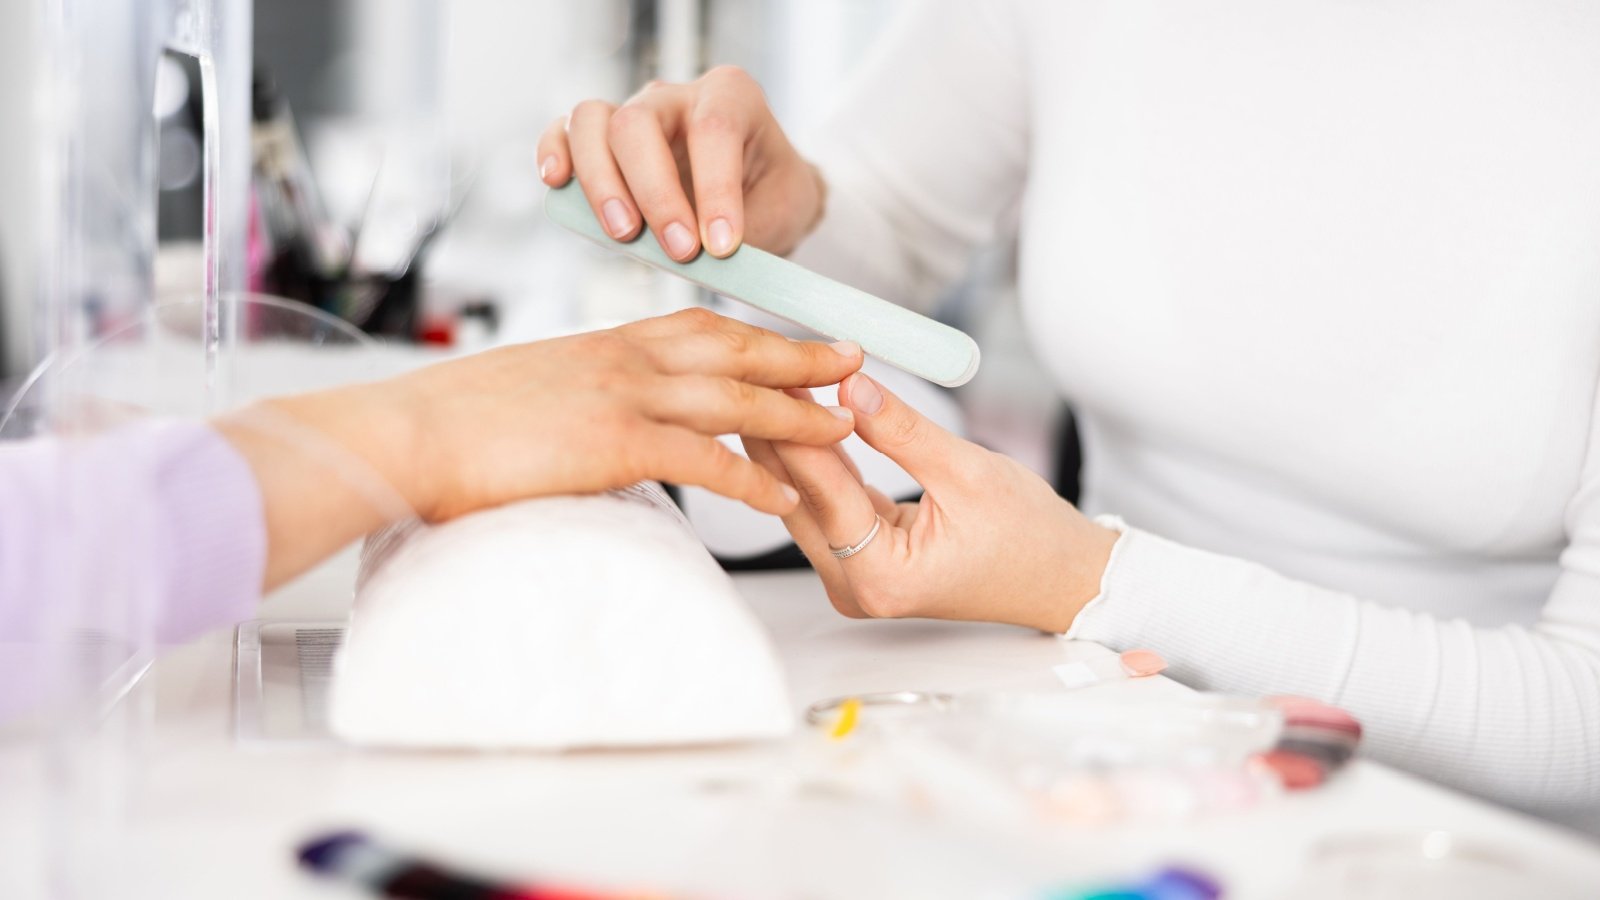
[[564, 622]]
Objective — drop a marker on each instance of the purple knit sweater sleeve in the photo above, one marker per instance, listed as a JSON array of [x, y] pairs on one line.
[[147, 535]]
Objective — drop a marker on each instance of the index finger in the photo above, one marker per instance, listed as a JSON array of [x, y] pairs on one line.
[[769, 360], [555, 158], [641, 135], [588, 142], [715, 405], [718, 128]]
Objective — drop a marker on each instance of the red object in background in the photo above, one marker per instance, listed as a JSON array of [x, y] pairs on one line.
[[437, 331]]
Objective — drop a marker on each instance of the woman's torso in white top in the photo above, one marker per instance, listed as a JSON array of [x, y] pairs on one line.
[[1323, 279]]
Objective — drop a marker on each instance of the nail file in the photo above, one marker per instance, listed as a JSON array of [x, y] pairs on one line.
[[894, 334]]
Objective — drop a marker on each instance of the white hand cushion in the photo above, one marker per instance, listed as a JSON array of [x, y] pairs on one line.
[[562, 622]]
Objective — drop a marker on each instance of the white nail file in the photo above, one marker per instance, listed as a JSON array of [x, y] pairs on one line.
[[894, 334]]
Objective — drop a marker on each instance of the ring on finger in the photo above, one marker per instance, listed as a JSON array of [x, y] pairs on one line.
[[853, 549]]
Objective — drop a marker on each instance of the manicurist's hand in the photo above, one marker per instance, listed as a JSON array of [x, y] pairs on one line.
[[703, 165], [989, 541], [572, 415]]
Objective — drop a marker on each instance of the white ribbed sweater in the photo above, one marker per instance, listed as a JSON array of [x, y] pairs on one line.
[[1322, 282]]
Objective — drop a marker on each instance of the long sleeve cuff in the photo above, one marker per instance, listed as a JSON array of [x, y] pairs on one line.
[[1130, 591], [1075, 630], [1163, 595]]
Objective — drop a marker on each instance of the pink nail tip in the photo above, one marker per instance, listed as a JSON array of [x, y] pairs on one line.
[[864, 395], [680, 241], [1141, 663], [618, 222], [721, 235]]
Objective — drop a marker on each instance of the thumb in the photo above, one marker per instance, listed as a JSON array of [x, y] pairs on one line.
[[899, 432]]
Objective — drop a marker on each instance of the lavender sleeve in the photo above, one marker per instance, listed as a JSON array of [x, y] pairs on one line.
[[151, 532]]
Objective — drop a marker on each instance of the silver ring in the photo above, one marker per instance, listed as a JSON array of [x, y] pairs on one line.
[[853, 549], [822, 710]]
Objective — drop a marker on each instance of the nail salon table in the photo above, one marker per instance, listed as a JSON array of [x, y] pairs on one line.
[[215, 819]]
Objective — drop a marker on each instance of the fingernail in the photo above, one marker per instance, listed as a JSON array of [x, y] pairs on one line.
[[546, 167], [680, 241], [721, 235], [846, 348], [841, 413], [864, 395], [618, 222], [791, 493]]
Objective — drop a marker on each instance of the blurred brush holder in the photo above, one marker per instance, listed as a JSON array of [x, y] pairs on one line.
[[380, 304]]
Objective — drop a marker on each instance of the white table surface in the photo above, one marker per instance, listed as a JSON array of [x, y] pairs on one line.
[[210, 819]]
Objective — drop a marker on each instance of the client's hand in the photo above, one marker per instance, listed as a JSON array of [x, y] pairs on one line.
[[572, 415], [606, 409], [989, 540]]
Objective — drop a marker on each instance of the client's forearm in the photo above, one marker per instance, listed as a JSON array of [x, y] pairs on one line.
[[328, 466], [577, 414]]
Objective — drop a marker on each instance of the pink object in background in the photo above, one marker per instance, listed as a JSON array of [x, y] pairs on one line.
[[1132, 664], [1142, 663], [256, 252]]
